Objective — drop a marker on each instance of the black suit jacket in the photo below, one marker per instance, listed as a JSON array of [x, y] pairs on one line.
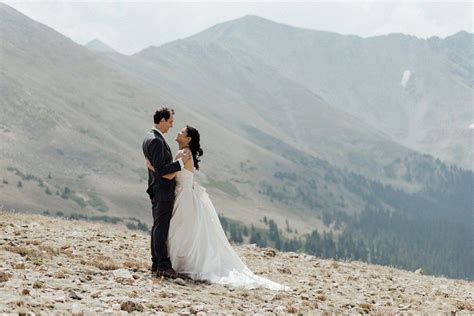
[[157, 151]]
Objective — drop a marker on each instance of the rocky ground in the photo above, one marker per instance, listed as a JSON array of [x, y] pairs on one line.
[[51, 265]]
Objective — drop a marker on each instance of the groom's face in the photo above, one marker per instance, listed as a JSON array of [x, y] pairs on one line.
[[168, 124]]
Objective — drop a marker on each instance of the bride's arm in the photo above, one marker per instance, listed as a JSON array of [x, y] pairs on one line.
[[170, 175]]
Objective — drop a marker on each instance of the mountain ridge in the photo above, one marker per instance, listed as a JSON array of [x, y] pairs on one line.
[[261, 21]]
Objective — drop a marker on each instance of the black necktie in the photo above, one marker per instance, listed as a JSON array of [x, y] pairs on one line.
[[167, 147]]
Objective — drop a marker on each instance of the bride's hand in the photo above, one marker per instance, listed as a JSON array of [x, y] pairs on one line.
[[149, 165], [184, 154], [178, 155]]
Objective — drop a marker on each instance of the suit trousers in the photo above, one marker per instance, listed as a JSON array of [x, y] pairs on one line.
[[159, 233]]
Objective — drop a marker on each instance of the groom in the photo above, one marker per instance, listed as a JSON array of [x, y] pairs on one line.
[[160, 189]]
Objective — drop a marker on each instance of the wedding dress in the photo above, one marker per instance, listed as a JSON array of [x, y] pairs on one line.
[[197, 244]]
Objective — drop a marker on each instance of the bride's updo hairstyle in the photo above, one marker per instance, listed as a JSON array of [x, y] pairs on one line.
[[194, 144]]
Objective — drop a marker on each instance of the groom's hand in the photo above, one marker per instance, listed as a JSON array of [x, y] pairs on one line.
[[149, 165]]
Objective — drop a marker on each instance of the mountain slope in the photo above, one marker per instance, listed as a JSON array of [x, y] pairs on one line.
[[417, 91]]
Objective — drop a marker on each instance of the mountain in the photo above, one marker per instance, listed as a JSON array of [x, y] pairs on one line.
[[275, 150], [98, 45], [86, 268], [417, 91]]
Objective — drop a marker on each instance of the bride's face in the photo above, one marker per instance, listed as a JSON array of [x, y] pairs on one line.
[[182, 137]]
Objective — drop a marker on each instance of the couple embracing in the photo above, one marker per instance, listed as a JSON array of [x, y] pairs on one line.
[[187, 237]]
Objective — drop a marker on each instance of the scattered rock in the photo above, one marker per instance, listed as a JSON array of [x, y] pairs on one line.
[[184, 304], [419, 271], [402, 307], [134, 294], [25, 292], [74, 296], [285, 270], [196, 309], [104, 263], [321, 297], [116, 307], [465, 305], [4, 275], [59, 274], [366, 307], [279, 309], [123, 276], [291, 309], [270, 252], [131, 306], [20, 265], [77, 310], [179, 281]]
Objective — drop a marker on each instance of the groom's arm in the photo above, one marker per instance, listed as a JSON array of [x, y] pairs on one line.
[[157, 154]]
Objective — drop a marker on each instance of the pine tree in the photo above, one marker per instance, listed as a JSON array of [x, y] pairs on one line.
[[313, 245]]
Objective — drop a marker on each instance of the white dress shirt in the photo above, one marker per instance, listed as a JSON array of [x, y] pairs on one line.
[[179, 160]]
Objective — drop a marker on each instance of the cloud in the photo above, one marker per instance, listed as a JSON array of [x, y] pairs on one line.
[[424, 19], [129, 26]]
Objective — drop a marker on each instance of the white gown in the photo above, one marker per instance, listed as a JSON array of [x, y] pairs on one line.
[[197, 244]]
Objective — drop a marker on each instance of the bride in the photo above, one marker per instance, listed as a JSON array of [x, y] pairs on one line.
[[197, 244]]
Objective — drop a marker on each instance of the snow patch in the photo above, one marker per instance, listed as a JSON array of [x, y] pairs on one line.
[[406, 76]]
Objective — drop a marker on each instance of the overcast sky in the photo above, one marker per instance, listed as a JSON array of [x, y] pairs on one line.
[[130, 26]]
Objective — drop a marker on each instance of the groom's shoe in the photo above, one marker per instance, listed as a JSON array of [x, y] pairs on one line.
[[153, 268], [168, 273]]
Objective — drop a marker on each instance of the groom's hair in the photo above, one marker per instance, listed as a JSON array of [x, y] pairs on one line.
[[162, 113]]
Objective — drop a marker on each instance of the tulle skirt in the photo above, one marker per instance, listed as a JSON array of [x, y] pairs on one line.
[[198, 246]]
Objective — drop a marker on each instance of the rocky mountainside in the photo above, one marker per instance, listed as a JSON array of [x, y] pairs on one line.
[[55, 265]]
